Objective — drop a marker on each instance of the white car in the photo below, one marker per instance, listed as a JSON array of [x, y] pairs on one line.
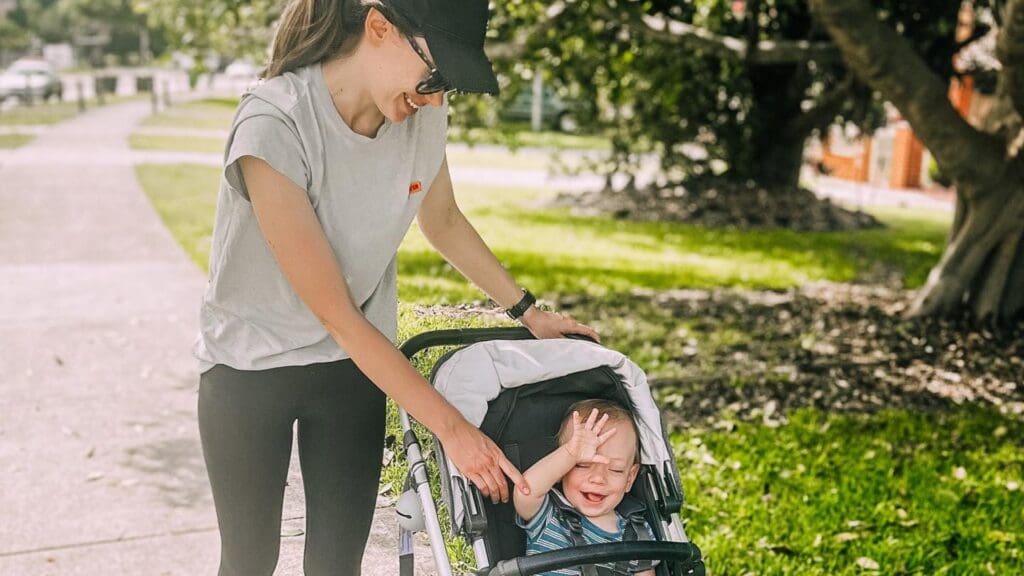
[[242, 69], [30, 78]]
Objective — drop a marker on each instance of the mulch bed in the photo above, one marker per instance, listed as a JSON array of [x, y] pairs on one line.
[[835, 347], [719, 203]]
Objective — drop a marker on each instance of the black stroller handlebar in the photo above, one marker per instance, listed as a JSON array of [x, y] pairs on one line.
[[686, 553], [460, 336]]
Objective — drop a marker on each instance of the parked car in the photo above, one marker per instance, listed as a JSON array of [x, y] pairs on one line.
[[554, 112], [242, 69], [30, 78]]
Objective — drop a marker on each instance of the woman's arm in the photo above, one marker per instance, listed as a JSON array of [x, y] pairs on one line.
[[301, 249], [451, 234]]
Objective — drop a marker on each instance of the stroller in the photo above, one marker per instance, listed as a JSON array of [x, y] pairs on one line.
[[517, 390]]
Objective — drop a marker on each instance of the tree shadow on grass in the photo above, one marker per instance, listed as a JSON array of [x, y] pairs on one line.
[[758, 355]]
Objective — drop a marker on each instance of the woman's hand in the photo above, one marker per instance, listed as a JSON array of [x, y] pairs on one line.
[[543, 324], [481, 461]]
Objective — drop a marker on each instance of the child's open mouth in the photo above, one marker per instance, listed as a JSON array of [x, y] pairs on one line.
[[592, 497]]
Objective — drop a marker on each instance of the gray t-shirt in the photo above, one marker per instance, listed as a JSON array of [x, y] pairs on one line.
[[365, 192]]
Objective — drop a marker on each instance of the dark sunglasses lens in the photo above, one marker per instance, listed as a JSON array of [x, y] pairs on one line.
[[433, 84]]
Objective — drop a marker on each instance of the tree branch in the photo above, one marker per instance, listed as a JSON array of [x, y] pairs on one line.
[[766, 52], [517, 47], [826, 109], [1010, 51], [888, 63]]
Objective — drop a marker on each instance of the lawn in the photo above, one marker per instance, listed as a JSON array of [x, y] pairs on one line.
[[51, 112], [518, 134], [206, 114], [15, 140], [176, 143], [39, 113], [899, 491], [892, 493]]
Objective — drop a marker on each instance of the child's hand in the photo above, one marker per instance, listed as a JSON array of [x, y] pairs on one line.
[[587, 437]]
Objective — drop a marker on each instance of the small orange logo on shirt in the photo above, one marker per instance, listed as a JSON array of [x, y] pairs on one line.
[[415, 187]]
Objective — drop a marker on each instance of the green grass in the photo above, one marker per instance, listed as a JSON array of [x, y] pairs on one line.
[[185, 196], [206, 114], [519, 134], [52, 112], [176, 143], [38, 114], [917, 493], [15, 140]]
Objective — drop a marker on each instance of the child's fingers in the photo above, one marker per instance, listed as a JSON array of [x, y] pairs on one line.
[[600, 423], [604, 437], [598, 459], [592, 418]]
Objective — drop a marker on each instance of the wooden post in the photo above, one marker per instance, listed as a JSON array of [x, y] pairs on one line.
[[99, 89], [28, 90], [537, 102], [167, 94], [81, 95]]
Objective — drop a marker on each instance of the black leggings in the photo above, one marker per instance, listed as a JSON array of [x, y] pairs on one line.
[[245, 422]]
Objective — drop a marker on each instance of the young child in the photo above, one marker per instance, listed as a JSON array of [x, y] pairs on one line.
[[596, 467]]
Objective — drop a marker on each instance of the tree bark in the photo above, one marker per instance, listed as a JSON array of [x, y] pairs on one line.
[[887, 62], [776, 149], [982, 267], [764, 53]]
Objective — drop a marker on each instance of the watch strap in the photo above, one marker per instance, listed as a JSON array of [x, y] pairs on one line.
[[522, 306]]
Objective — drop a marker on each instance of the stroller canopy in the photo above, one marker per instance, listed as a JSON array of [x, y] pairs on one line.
[[475, 375]]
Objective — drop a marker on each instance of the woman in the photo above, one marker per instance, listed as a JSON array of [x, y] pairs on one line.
[[328, 161]]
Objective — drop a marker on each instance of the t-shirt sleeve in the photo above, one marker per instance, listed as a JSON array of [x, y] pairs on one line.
[[271, 139], [534, 526]]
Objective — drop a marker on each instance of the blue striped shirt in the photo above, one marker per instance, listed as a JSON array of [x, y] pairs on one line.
[[545, 533]]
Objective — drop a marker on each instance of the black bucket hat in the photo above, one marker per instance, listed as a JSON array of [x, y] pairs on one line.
[[454, 31]]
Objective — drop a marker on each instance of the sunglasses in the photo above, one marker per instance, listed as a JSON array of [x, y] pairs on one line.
[[433, 83]]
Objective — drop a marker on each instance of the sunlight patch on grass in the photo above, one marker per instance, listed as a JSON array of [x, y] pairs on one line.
[[176, 143]]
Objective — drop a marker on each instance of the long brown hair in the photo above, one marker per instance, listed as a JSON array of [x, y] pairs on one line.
[[312, 30]]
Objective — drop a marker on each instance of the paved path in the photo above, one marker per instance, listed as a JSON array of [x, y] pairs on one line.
[[99, 450]]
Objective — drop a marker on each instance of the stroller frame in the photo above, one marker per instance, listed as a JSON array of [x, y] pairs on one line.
[[681, 552]]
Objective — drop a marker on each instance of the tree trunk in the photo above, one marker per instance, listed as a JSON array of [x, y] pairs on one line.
[[983, 264], [982, 267], [776, 151]]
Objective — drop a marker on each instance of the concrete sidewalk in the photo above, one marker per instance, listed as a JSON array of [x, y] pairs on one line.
[[99, 448]]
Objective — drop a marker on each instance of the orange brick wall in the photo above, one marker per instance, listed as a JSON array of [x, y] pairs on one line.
[[907, 153], [847, 167]]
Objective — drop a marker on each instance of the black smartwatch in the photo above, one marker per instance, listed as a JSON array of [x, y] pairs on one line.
[[522, 306]]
